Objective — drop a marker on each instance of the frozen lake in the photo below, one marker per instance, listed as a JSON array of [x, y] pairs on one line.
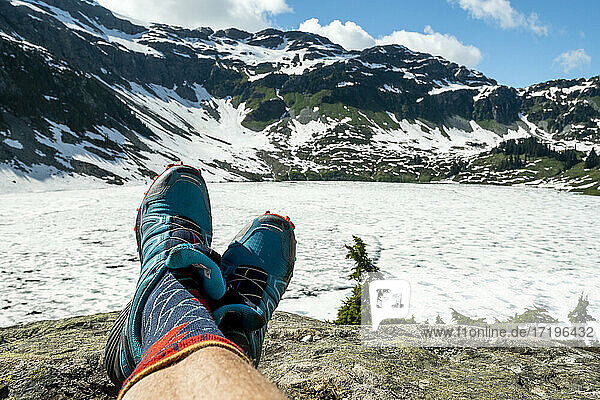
[[485, 251]]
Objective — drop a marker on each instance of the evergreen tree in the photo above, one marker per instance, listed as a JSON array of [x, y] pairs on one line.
[[580, 314], [592, 160], [530, 146], [568, 157], [535, 314], [352, 312], [518, 162], [362, 262], [456, 168], [462, 319], [509, 163]]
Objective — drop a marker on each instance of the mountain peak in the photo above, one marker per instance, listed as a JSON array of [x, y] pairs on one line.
[[116, 100]]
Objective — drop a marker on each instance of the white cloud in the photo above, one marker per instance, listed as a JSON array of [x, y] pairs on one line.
[[251, 15], [353, 36], [502, 13], [435, 43], [570, 60], [350, 35]]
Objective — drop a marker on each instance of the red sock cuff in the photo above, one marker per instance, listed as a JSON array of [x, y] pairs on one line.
[[159, 357]]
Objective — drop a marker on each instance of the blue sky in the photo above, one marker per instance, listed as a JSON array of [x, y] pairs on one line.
[[514, 56], [517, 43]]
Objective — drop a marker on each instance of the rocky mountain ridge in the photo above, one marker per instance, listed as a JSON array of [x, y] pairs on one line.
[[87, 95]]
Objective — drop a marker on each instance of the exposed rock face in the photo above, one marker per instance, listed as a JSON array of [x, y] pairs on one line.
[[307, 359], [79, 84], [56, 359]]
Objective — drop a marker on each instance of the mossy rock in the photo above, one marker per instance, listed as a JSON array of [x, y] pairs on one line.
[[306, 359]]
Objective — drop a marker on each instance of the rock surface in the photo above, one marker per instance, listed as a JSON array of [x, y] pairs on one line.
[[307, 359]]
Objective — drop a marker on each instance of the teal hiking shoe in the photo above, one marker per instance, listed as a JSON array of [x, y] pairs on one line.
[[174, 232], [257, 266]]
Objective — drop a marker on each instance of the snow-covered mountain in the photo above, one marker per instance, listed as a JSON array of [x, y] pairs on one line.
[[84, 93]]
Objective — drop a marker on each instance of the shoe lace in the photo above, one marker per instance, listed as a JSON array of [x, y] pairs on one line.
[[250, 282], [184, 230]]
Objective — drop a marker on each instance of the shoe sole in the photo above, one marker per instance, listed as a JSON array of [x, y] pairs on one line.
[[112, 363], [112, 350]]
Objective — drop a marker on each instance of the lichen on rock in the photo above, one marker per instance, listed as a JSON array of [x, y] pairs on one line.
[[63, 360]]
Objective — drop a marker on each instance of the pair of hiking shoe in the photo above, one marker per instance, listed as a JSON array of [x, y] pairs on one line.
[[242, 287]]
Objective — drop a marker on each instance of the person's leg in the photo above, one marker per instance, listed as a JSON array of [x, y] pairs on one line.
[[168, 336], [227, 377], [185, 355]]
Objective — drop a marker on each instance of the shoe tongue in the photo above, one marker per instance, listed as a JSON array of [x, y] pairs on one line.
[[213, 255], [238, 255], [205, 269]]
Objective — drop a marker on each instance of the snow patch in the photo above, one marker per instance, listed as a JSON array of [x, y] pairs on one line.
[[390, 89], [450, 88], [18, 3], [15, 144]]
